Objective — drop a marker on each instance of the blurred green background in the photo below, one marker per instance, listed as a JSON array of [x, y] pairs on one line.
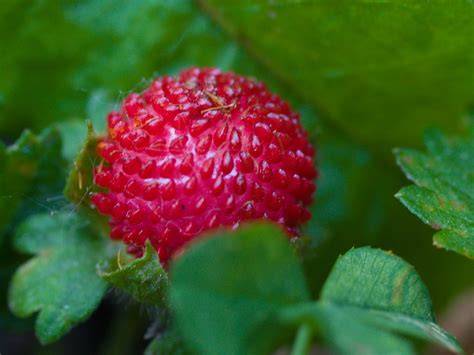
[[367, 76]]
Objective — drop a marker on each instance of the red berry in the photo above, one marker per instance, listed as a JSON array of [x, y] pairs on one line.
[[203, 150]]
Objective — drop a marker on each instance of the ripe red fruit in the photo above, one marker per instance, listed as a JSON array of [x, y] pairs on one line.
[[204, 150]]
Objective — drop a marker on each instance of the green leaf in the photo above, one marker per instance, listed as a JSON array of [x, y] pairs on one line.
[[344, 332], [224, 288], [244, 294], [372, 67], [443, 196], [383, 290], [26, 169], [60, 282], [144, 279], [394, 284], [369, 299], [350, 330], [409, 326]]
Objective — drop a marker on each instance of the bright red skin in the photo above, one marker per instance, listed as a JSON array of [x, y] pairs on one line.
[[207, 149]]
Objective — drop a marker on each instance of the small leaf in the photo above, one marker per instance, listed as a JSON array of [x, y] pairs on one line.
[[60, 282], [443, 196], [225, 288], [371, 278], [384, 290], [144, 279], [371, 298]]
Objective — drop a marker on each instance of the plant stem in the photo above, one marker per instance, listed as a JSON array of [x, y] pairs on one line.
[[302, 341]]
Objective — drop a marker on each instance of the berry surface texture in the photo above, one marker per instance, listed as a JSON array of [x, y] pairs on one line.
[[203, 150]]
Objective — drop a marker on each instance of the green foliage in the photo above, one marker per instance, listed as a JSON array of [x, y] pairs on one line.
[[372, 67], [72, 61], [96, 48], [241, 293], [349, 330], [443, 196], [75, 132], [60, 282], [398, 289], [32, 175], [27, 168], [144, 279], [380, 290], [355, 189], [224, 289]]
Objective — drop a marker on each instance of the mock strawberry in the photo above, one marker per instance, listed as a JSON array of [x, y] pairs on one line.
[[203, 150]]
